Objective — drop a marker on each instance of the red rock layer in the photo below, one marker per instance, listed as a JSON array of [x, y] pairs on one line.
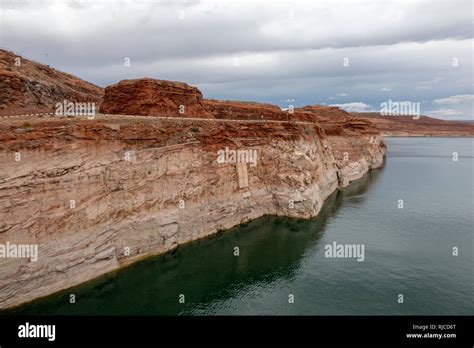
[[30, 87], [334, 121], [236, 110], [150, 97]]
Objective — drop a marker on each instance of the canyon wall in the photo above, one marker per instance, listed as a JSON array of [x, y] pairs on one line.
[[96, 195]]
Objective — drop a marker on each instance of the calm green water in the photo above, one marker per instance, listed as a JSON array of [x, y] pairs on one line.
[[407, 251]]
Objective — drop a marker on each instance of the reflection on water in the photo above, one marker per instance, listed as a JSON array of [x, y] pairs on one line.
[[271, 251]]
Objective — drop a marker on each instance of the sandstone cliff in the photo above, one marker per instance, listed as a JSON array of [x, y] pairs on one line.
[[27, 87], [153, 97]]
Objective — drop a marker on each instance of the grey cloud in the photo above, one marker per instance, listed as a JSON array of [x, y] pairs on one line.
[[401, 50]]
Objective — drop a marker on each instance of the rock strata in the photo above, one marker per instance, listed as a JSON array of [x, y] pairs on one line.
[[233, 110], [154, 97], [28, 87]]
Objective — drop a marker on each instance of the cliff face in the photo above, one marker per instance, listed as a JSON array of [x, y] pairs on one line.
[[233, 110], [92, 208], [28, 87], [154, 97], [424, 126], [98, 194]]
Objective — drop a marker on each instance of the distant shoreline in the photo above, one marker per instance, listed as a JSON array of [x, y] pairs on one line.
[[424, 126]]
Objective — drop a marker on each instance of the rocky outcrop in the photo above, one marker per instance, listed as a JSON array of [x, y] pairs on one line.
[[234, 110], [153, 97], [413, 126], [323, 114], [334, 121], [29, 87]]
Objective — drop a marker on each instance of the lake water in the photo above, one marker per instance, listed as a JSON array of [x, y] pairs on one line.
[[408, 251]]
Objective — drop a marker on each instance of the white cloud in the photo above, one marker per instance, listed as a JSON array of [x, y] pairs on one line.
[[385, 89], [355, 107], [445, 113], [456, 99], [342, 95], [429, 83], [455, 107]]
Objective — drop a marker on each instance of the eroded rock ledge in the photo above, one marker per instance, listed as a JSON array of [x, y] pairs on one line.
[[96, 195]]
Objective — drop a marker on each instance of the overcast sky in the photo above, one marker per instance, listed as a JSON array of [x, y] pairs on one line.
[[282, 52]]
